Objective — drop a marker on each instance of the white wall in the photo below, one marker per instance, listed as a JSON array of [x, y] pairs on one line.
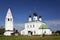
[[36, 29]]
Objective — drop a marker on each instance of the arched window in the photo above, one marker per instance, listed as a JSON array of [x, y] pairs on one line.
[[34, 32], [27, 26], [33, 25], [8, 19], [44, 32], [30, 26]]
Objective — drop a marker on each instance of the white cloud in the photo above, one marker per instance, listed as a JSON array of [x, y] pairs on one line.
[[19, 26], [53, 24]]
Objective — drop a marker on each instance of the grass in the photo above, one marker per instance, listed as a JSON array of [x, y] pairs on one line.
[[29, 38]]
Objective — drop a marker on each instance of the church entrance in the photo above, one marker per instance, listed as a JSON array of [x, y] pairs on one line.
[[29, 33]]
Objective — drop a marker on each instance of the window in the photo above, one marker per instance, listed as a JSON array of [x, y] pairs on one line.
[[33, 25], [44, 32], [8, 19], [27, 26], [34, 18], [34, 32], [30, 26]]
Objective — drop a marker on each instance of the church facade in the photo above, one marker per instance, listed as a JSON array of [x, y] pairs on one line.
[[36, 26]]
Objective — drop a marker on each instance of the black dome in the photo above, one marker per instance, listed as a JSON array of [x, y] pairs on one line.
[[35, 14], [40, 16], [29, 15]]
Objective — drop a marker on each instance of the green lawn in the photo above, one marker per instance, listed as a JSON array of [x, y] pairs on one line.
[[29, 38]]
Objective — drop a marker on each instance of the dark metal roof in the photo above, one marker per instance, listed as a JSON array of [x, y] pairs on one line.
[[35, 14], [40, 16], [29, 15]]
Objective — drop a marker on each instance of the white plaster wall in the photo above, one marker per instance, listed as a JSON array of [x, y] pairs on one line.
[[35, 18], [36, 29], [8, 25]]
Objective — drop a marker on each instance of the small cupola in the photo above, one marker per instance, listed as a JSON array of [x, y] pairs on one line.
[[35, 14], [30, 19], [40, 18]]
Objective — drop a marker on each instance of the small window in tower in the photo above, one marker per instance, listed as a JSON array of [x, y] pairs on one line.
[[8, 19]]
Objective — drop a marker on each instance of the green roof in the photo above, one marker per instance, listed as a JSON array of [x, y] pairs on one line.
[[43, 26]]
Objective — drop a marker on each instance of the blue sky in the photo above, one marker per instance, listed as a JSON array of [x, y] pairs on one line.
[[21, 9]]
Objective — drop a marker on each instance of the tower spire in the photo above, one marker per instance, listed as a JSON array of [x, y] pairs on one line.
[[35, 10], [35, 18], [9, 13], [35, 13]]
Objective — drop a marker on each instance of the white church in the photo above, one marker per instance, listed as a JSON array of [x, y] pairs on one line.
[[36, 26], [32, 27]]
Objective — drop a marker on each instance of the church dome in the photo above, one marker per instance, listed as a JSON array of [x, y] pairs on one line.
[[35, 14], [29, 15], [43, 26], [40, 16]]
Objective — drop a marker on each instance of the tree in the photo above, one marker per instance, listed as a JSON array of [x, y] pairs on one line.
[[57, 32], [2, 30]]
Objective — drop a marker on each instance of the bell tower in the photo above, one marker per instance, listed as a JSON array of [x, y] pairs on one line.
[[8, 23]]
